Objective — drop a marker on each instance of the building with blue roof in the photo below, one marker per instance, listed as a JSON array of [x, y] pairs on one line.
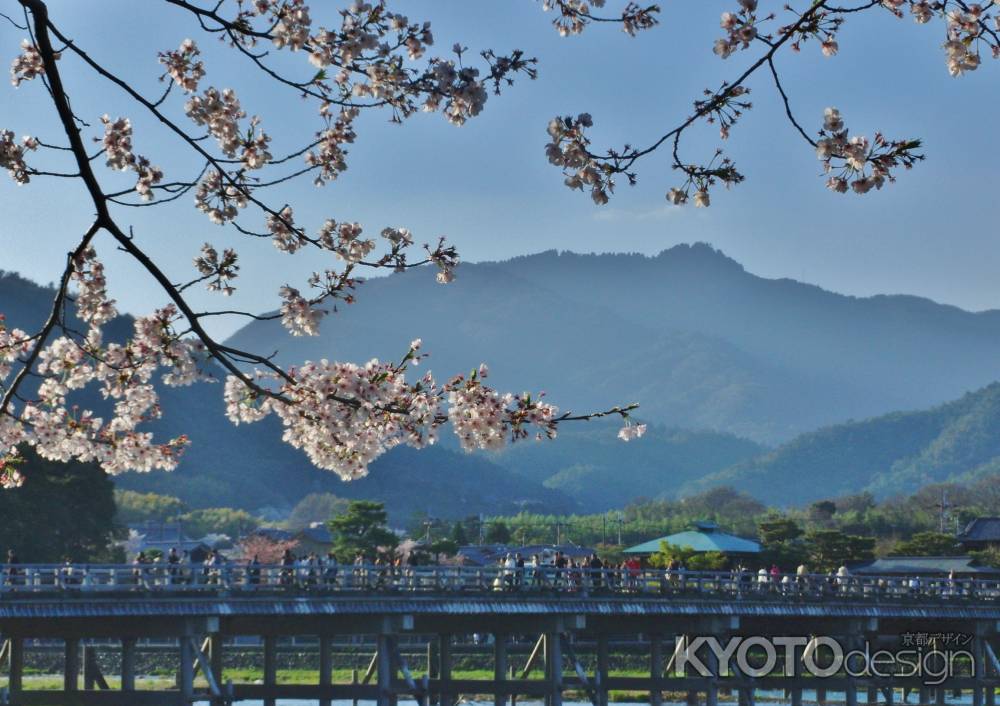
[[704, 537]]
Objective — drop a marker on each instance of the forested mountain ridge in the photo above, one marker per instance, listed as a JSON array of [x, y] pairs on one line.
[[689, 334], [891, 454]]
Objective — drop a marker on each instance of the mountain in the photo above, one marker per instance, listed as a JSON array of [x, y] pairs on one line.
[[891, 454], [588, 462], [689, 334]]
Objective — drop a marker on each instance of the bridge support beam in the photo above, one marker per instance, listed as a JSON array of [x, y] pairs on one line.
[[447, 695], [186, 680], [979, 667], [656, 667], [270, 667], [601, 677], [499, 667], [325, 666], [554, 668], [128, 664], [385, 671], [15, 682], [71, 667], [712, 689]]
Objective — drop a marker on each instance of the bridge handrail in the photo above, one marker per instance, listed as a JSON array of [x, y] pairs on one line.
[[186, 578]]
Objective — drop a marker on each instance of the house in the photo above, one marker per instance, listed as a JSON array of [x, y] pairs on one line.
[[981, 533], [163, 536], [316, 538], [704, 537], [942, 566], [491, 554]]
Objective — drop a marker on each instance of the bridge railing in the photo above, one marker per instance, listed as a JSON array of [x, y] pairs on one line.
[[234, 578]]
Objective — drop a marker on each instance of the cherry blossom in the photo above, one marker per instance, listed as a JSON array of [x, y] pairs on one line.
[[28, 64], [12, 156], [183, 67], [298, 315]]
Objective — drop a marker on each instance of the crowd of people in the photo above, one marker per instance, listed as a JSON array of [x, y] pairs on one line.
[[549, 571]]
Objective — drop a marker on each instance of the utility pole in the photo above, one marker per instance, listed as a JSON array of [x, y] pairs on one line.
[[943, 507], [604, 528], [619, 529], [482, 535]]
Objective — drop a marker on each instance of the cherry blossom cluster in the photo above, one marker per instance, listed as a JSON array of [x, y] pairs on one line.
[[10, 476], [342, 415], [183, 66], [445, 258], [700, 180], [220, 272], [12, 155], [13, 343], [285, 236], [964, 29], [484, 419], [298, 314], [575, 15], [568, 149], [123, 372], [329, 155], [631, 431], [117, 148], [92, 302], [725, 107], [464, 91], [218, 198], [741, 29], [856, 163], [220, 113], [28, 64], [818, 24], [345, 240]]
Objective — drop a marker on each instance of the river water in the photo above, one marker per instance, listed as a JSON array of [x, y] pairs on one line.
[[764, 698]]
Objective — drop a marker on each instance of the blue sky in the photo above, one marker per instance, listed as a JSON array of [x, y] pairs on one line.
[[488, 187]]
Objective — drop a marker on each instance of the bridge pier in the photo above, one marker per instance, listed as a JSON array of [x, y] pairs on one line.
[[186, 680], [500, 668], [270, 669], [554, 668], [325, 666], [446, 693], [656, 667], [71, 665], [15, 655], [128, 664], [601, 675]]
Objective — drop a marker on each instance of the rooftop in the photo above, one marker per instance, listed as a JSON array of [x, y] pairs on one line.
[[706, 537], [981, 529], [924, 565]]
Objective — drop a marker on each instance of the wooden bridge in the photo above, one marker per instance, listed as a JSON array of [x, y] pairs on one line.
[[575, 618]]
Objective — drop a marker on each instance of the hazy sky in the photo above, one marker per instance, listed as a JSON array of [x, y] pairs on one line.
[[488, 187]]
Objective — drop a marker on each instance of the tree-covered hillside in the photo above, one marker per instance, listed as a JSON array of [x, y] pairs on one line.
[[894, 453]]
